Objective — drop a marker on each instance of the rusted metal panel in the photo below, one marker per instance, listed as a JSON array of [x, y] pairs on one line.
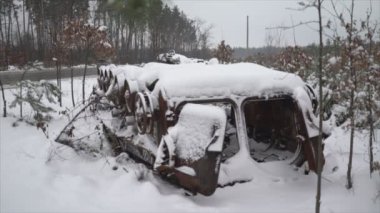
[[206, 169]]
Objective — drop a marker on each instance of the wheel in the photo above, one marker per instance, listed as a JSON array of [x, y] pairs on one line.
[[144, 112], [131, 89]]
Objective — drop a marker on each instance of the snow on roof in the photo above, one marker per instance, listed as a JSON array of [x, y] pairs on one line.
[[242, 79], [178, 82], [186, 81]]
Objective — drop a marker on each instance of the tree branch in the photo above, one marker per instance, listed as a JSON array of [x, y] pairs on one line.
[[293, 26]]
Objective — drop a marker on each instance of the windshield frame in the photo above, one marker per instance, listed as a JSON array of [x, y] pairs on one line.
[[236, 109]]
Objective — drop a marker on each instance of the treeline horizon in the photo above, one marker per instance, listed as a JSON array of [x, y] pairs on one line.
[[138, 30]]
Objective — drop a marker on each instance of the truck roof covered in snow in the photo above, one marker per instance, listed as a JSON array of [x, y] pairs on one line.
[[200, 80], [218, 81]]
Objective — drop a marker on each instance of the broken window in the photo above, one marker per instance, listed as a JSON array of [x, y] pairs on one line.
[[231, 143], [271, 129]]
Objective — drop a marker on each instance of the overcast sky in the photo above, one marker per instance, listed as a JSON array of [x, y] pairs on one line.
[[228, 18]]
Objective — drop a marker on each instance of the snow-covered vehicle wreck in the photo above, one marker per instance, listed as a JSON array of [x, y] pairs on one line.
[[202, 126]]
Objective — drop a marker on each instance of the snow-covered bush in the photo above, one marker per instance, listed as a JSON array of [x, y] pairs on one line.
[[354, 70]]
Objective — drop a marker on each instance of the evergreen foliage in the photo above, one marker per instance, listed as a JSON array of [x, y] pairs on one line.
[[35, 94]]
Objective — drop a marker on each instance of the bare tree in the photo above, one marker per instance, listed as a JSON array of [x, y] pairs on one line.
[[349, 45], [274, 35], [224, 52], [370, 84], [304, 5], [90, 39], [316, 4], [269, 38], [320, 65], [350, 30]]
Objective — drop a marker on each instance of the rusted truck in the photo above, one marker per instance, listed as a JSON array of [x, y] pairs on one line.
[[201, 126]]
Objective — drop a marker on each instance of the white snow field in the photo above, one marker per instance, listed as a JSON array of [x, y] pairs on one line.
[[39, 175]]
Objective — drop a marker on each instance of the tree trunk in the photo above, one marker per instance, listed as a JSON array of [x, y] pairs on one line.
[[371, 130], [31, 32], [20, 92], [15, 14], [1, 26], [84, 73], [117, 39], [23, 16], [121, 52], [136, 47], [2, 47], [41, 34], [370, 96], [352, 96], [142, 53], [72, 77], [9, 34], [9, 26], [352, 133], [4, 101], [319, 151], [59, 82], [129, 41]]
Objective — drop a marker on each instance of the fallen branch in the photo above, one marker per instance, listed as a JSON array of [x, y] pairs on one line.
[[72, 120]]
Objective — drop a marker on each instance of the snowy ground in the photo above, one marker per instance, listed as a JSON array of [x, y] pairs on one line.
[[39, 175]]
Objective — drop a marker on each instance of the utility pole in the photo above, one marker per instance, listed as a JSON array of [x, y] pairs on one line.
[[247, 32]]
